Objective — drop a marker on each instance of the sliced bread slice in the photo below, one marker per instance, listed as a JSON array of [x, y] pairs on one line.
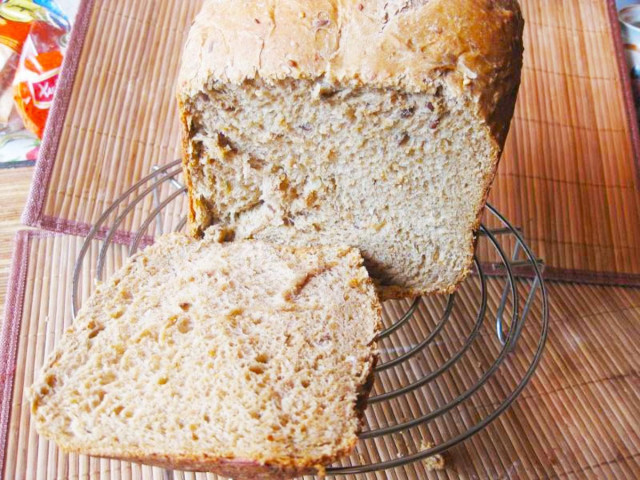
[[245, 359]]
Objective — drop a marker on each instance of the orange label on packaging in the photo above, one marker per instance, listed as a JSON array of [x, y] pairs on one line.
[[43, 89], [34, 92]]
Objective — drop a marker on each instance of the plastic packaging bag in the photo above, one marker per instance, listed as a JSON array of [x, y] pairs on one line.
[[37, 75], [32, 44], [14, 29]]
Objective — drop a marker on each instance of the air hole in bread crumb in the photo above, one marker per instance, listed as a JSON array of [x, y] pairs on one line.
[[258, 369], [51, 380], [172, 320], [256, 163], [162, 380], [95, 332], [107, 378], [206, 418], [146, 333], [99, 398], [184, 325], [262, 358], [305, 383], [185, 306], [407, 112], [118, 409]]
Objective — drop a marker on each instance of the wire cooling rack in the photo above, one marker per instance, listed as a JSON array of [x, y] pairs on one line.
[[450, 365]]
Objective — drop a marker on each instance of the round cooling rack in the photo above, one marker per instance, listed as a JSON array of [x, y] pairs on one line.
[[449, 365]]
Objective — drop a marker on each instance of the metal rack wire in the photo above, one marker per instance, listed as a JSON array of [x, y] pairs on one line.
[[487, 326]]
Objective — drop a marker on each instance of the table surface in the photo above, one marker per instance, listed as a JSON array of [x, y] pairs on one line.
[[14, 188]]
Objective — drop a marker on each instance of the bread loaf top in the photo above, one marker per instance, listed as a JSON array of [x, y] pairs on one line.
[[472, 46]]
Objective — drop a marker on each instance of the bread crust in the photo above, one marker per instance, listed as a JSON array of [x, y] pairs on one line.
[[472, 47], [231, 468], [475, 46]]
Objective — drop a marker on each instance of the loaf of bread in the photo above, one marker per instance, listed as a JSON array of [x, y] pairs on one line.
[[377, 124], [245, 359]]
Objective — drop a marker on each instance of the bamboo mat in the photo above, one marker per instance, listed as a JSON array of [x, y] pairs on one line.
[[578, 418], [567, 178]]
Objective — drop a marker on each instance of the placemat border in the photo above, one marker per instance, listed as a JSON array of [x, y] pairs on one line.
[[585, 277], [32, 214], [627, 89], [13, 309]]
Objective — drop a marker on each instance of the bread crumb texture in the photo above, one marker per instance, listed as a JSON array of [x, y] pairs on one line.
[[234, 358], [434, 462], [374, 124]]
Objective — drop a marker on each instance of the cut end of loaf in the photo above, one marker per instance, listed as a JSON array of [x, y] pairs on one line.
[[402, 176], [243, 358], [375, 124]]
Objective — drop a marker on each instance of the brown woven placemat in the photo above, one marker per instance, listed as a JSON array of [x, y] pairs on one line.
[[568, 176], [578, 418]]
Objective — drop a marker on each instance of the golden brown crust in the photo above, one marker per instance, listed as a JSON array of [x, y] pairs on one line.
[[474, 46], [186, 155], [236, 469], [231, 468]]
